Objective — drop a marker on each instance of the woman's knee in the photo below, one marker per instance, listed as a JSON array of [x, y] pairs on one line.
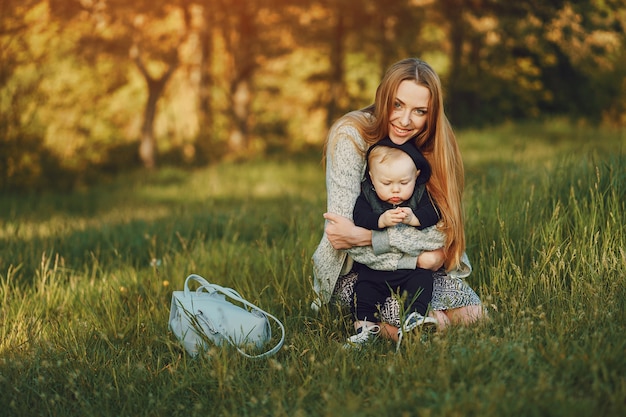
[[442, 319], [465, 315]]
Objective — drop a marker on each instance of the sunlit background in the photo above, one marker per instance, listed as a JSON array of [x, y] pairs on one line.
[[96, 87]]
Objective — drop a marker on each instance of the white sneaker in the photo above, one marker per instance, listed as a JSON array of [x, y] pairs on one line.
[[363, 335], [412, 322]]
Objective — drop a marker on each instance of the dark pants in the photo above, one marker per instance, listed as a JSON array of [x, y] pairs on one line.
[[373, 287]]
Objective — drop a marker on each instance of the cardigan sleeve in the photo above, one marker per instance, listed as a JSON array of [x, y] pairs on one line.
[[345, 166]]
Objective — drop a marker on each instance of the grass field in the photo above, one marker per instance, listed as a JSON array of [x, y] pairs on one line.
[[86, 282]]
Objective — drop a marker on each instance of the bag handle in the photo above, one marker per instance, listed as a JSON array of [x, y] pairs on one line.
[[229, 292]]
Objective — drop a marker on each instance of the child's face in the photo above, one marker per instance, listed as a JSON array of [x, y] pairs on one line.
[[394, 182]]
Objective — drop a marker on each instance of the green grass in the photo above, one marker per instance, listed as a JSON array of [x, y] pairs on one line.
[[86, 282]]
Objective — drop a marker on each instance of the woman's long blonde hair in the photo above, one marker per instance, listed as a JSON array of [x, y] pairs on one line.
[[436, 141]]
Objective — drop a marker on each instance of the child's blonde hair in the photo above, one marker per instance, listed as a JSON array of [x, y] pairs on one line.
[[380, 155]]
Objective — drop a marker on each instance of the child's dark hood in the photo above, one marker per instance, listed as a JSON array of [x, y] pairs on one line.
[[409, 148]]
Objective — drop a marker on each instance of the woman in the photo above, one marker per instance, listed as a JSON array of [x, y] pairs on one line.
[[408, 106]]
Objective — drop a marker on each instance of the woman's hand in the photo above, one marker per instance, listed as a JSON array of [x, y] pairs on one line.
[[343, 234], [432, 259]]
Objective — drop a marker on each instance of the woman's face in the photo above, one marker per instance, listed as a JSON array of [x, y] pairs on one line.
[[408, 112]]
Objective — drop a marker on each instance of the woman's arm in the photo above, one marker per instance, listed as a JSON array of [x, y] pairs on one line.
[[413, 241], [426, 243], [343, 234]]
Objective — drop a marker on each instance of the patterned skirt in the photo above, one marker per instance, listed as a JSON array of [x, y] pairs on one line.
[[448, 293]]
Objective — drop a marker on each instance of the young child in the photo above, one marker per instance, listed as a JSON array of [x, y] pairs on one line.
[[393, 193]]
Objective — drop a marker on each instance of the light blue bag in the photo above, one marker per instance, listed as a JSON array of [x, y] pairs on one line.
[[207, 314]]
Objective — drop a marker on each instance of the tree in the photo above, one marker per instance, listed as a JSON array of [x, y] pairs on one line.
[[164, 50], [146, 33], [358, 37], [239, 30], [24, 161], [248, 34], [204, 142], [521, 59]]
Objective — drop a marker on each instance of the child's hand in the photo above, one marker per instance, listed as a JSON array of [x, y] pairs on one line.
[[391, 217], [410, 218]]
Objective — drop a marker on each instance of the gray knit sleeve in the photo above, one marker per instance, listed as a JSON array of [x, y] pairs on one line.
[[412, 241], [404, 244], [380, 241]]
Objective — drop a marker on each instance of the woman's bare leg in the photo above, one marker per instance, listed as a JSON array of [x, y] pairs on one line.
[[464, 315], [442, 319]]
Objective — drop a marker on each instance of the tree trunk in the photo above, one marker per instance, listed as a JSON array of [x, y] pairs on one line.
[[337, 87], [205, 105], [454, 11], [147, 145], [241, 99], [386, 41], [241, 43]]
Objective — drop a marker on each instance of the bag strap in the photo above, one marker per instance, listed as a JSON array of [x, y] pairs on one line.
[[229, 292], [206, 285]]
